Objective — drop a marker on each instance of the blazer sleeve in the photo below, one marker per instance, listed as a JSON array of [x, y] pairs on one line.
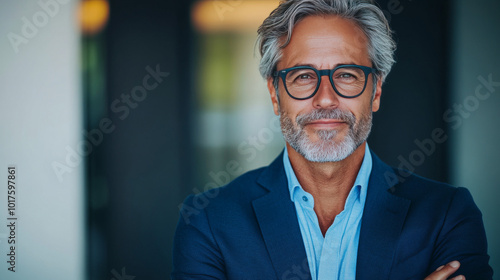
[[196, 254], [462, 237]]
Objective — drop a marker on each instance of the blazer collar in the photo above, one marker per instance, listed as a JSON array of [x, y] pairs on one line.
[[381, 225], [278, 223]]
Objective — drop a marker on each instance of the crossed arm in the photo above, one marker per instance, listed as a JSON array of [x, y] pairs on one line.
[[445, 271]]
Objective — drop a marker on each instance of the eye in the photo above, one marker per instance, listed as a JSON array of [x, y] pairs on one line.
[[301, 77], [304, 77], [346, 76]]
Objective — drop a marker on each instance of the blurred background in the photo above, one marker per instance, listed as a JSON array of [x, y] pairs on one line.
[[113, 112]]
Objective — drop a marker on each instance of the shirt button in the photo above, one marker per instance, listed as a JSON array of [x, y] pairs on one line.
[[304, 198]]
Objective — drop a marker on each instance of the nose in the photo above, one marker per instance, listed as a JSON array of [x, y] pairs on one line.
[[325, 97]]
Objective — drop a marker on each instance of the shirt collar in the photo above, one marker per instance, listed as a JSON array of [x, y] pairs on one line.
[[361, 179]]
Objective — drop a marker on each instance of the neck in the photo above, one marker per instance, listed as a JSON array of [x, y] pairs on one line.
[[328, 182], [326, 177]]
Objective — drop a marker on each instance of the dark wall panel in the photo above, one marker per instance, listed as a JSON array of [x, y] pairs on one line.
[[145, 158], [415, 92]]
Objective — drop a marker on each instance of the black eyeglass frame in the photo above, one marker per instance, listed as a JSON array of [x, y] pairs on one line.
[[325, 72]]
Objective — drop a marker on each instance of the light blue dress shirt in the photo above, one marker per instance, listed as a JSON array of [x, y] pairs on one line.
[[334, 255]]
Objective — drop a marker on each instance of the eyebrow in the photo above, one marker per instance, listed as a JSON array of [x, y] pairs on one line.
[[314, 66]]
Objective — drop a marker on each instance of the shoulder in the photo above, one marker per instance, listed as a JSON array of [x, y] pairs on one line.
[[426, 195], [408, 185], [442, 201], [414, 186], [241, 191]]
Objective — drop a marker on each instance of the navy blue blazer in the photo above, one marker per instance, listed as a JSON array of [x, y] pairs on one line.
[[248, 229]]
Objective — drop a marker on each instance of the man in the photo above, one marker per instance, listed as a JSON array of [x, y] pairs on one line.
[[327, 207]]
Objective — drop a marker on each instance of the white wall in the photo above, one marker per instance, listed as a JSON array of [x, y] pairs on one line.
[[41, 115], [475, 139]]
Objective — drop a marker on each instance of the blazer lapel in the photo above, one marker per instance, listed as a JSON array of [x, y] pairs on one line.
[[279, 225], [381, 225]]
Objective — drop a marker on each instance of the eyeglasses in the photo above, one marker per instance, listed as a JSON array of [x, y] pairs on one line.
[[302, 82]]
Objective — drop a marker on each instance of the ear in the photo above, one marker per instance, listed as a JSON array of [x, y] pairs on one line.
[[274, 97], [376, 98]]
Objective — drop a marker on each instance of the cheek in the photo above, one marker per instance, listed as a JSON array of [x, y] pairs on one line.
[[360, 109], [367, 104], [292, 107]]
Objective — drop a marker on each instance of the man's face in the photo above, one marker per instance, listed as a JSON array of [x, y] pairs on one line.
[[326, 127]]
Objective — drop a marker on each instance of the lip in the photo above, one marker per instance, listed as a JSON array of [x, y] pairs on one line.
[[326, 123]]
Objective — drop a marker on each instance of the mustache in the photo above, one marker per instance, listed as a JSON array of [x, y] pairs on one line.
[[319, 114]]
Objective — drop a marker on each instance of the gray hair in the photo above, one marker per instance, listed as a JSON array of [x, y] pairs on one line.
[[364, 13]]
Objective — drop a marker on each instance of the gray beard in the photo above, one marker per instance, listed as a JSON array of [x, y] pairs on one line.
[[326, 149]]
